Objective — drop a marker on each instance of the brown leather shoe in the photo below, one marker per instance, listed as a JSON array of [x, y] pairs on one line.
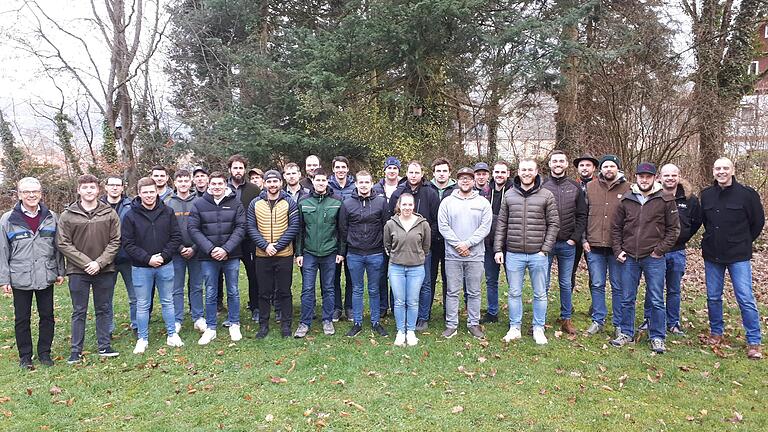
[[714, 340], [753, 352], [567, 327]]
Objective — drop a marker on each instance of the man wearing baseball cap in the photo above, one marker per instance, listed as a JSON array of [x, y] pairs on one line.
[[603, 196], [464, 220], [482, 174], [644, 228]]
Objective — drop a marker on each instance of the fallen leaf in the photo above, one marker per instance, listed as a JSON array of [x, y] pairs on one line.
[[108, 405], [269, 417], [558, 334], [737, 383], [278, 380], [308, 412], [293, 366], [4, 399], [29, 391], [607, 388], [355, 405], [248, 397], [703, 412], [690, 418], [340, 382], [482, 359], [344, 414], [737, 417], [220, 352], [55, 390], [457, 409]]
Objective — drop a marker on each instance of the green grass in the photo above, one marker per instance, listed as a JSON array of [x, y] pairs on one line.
[[365, 383]]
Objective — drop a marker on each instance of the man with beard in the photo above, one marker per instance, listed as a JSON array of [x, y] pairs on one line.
[[482, 174], [200, 179], [495, 195], [464, 220], [585, 166], [733, 218], [603, 197], [426, 204], [525, 233], [645, 227], [689, 213], [572, 208], [245, 191], [292, 176]]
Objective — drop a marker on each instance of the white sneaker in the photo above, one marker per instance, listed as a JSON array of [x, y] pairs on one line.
[[174, 341], [141, 346], [234, 332], [400, 339], [177, 326], [538, 336], [411, 339], [512, 334], [200, 325], [208, 336]]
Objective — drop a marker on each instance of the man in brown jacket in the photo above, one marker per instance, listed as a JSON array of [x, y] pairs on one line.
[[603, 196], [89, 238], [644, 228], [526, 231]]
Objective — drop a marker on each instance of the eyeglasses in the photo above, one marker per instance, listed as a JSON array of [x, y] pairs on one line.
[[30, 193]]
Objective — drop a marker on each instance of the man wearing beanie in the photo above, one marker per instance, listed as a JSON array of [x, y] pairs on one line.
[[603, 196], [644, 228]]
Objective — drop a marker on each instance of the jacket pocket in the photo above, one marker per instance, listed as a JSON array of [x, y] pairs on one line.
[[51, 271], [21, 275]]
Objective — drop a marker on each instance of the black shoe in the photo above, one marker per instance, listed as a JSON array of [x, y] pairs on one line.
[[489, 318], [350, 314], [285, 330], [421, 325], [262, 333], [26, 363], [74, 358], [355, 330], [380, 330], [46, 360], [336, 315], [108, 352]]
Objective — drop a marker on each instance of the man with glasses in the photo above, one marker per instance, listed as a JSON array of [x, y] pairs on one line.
[[30, 264]]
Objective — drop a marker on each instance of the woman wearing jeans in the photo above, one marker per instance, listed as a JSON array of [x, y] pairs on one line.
[[406, 240]]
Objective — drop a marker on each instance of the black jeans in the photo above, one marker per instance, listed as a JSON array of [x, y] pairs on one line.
[[103, 289], [22, 308], [342, 303], [386, 299], [253, 284], [275, 275], [576, 260]]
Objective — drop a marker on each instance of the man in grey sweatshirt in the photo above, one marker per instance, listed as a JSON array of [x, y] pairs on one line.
[[464, 220]]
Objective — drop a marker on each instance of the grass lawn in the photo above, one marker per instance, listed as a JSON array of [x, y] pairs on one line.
[[365, 383]]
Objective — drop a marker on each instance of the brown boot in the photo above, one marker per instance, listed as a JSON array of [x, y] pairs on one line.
[[753, 352], [714, 340], [567, 327]]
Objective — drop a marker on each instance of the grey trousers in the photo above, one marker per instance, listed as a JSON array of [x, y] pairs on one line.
[[80, 285], [460, 274]]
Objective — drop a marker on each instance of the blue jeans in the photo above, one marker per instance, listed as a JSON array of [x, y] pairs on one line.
[[600, 261], [358, 266], [327, 267], [566, 255], [741, 276], [675, 271], [653, 269], [143, 280], [425, 292], [492, 270], [181, 266], [210, 270], [125, 269], [537, 265], [406, 284]]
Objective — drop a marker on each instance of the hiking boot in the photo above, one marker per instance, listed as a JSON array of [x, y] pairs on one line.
[[400, 339], [108, 352], [657, 346], [489, 318], [26, 363], [301, 331], [46, 360], [622, 340], [355, 330], [714, 340], [538, 336], [141, 346], [207, 337], [754, 353], [336, 315], [421, 325], [74, 358], [567, 327], [328, 328], [381, 331], [263, 331], [512, 334], [476, 331], [675, 330], [411, 339], [449, 332], [594, 328]]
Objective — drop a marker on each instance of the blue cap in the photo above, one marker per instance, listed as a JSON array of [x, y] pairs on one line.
[[482, 166], [646, 168], [392, 161]]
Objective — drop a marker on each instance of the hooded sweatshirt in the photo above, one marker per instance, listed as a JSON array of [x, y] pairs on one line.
[[465, 220], [407, 248]]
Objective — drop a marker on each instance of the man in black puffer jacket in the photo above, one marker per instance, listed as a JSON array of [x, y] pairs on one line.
[[217, 226]]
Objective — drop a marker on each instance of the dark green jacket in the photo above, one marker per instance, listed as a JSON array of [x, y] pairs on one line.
[[318, 219]]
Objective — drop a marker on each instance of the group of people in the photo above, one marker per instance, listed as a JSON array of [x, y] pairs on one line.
[[387, 237]]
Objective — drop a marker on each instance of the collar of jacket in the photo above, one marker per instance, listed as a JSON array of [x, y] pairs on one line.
[[328, 193], [101, 208], [281, 196], [519, 188], [619, 180], [335, 182], [654, 190], [17, 214], [472, 194], [451, 183]]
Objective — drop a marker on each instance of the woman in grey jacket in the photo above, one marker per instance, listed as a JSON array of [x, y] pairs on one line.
[[30, 264], [407, 238]]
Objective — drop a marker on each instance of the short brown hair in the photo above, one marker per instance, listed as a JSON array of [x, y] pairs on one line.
[[363, 173], [292, 165], [441, 161], [87, 178], [217, 174], [182, 173], [237, 158], [502, 162], [415, 162], [144, 181]]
